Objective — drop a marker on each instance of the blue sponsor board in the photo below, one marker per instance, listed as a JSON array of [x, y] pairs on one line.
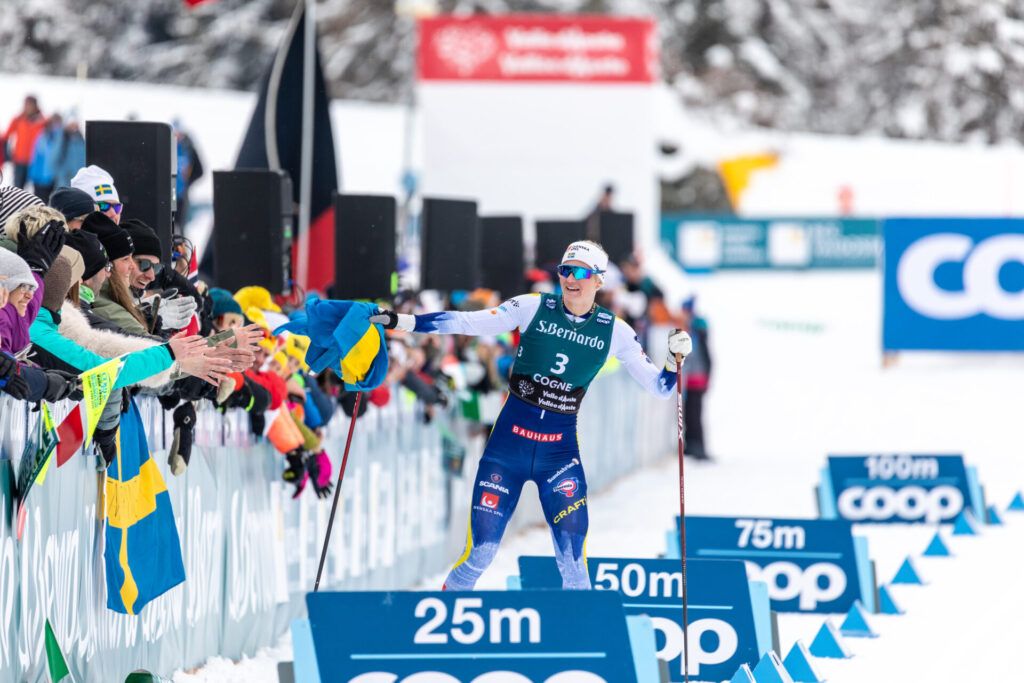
[[808, 565], [469, 634], [898, 488], [729, 618], [953, 284], [709, 242]]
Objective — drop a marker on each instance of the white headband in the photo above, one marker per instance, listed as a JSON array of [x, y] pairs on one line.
[[588, 253]]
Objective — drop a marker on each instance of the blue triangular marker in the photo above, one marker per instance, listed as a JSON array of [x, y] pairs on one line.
[[886, 603], [993, 516], [937, 548], [798, 664], [770, 670], [1017, 504], [855, 625], [907, 574], [962, 525], [742, 675], [828, 643]]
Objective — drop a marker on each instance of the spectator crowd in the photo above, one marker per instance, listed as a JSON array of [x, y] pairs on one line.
[[79, 284]]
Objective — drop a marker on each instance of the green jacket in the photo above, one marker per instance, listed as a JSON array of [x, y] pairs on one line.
[[138, 365], [105, 307]]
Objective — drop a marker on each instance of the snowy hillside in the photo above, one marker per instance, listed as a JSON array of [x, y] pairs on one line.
[[914, 69]]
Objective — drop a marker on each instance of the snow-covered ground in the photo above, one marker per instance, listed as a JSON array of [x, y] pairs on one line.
[[798, 375]]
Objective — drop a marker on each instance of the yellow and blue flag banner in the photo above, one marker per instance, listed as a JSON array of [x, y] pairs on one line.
[[342, 338], [143, 551]]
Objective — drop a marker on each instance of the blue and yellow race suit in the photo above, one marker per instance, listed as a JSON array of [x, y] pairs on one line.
[[534, 437]]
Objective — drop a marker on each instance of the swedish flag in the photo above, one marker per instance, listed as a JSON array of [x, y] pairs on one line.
[[342, 338], [104, 189], [143, 552]]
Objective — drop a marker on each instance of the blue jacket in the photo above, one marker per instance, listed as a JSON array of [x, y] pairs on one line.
[[71, 159], [45, 154], [138, 365]]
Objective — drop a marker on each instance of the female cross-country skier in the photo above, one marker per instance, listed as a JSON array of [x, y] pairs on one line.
[[564, 341]]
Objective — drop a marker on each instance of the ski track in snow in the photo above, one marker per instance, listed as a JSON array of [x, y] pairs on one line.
[[798, 375]]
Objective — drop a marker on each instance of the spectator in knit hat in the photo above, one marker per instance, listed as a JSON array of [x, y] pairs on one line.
[[20, 285], [146, 260], [99, 185], [17, 286], [114, 302], [65, 274], [37, 245], [74, 204], [97, 270], [14, 199], [226, 311], [174, 313]]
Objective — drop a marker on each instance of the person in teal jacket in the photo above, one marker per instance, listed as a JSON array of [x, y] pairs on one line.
[[138, 365]]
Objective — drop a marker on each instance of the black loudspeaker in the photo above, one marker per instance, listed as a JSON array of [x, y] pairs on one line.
[[364, 246], [450, 253], [616, 235], [501, 254], [552, 239], [253, 219], [141, 157]]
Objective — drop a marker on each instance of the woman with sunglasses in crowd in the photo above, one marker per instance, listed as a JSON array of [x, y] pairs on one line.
[[564, 342]]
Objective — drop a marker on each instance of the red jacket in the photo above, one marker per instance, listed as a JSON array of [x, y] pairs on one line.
[[25, 130], [273, 383]]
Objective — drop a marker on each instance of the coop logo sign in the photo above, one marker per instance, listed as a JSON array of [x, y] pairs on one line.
[[898, 488], [537, 48], [981, 262], [954, 284], [809, 565], [721, 625]]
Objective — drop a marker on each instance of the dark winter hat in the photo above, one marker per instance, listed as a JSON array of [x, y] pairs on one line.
[[116, 241], [89, 246], [72, 202], [223, 302], [143, 236]]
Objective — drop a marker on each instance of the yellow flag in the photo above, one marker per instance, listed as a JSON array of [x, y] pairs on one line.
[[48, 428], [97, 384], [736, 172]]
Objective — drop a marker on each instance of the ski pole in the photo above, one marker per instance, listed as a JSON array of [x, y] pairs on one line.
[[337, 493], [681, 431]]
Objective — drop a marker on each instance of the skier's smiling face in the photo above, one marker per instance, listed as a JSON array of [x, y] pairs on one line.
[[579, 293]]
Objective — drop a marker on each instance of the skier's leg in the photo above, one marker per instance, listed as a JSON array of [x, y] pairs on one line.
[[564, 500], [495, 496]]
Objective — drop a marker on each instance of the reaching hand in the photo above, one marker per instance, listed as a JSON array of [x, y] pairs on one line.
[[249, 335], [319, 468], [62, 385], [240, 358], [394, 321], [207, 368], [176, 313], [41, 250], [17, 387], [184, 347], [8, 366]]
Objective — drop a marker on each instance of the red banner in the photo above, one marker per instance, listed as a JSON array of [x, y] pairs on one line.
[[591, 49]]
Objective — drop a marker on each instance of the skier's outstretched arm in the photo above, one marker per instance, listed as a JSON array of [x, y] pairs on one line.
[[626, 347], [516, 312]]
